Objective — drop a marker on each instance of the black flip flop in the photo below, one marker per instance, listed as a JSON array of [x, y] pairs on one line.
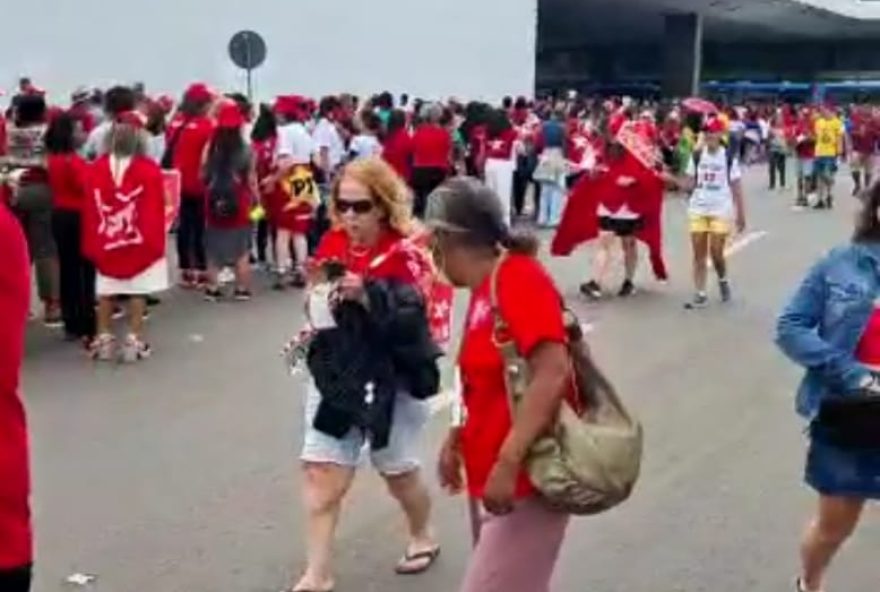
[[431, 555]]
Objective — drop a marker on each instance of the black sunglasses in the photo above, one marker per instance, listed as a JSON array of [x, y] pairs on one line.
[[360, 206]]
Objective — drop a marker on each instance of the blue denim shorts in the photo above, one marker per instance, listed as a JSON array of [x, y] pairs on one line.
[[401, 456]]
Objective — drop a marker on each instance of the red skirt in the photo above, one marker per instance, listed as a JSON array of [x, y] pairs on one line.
[[297, 219]]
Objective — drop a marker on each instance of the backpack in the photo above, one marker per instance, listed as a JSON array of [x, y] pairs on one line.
[[223, 190], [167, 161], [587, 463]]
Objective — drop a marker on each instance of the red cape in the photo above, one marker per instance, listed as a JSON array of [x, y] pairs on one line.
[[124, 225], [580, 221]]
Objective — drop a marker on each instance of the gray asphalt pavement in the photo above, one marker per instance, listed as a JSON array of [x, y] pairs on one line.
[[180, 474]]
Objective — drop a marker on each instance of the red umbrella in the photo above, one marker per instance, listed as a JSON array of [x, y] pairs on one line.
[[698, 105]]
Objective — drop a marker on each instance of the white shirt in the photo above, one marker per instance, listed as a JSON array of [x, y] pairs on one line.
[[327, 136], [363, 146], [712, 195], [294, 143], [96, 143]]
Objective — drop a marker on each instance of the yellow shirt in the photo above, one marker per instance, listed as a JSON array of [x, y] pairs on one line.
[[829, 134]]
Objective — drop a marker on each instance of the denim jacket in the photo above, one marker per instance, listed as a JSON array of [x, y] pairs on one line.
[[821, 327]]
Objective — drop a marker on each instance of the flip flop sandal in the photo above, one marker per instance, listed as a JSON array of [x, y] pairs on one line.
[[430, 555]]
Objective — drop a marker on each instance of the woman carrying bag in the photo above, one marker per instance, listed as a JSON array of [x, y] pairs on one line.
[[831, 327], [522, 383]]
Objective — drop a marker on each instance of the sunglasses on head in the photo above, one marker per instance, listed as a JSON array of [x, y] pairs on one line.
[[358, 206]]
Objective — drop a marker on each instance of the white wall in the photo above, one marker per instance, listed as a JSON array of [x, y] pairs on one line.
[[429, 48]]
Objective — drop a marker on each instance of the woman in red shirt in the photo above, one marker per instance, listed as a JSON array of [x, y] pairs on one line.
[[432, 157], [187, 136], [68, 178], [369, 246], [230, 179], [519, 537], [501, 149], [398, 147], [16, 544]]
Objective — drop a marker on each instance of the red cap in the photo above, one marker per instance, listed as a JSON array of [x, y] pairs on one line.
[[166, 103], [291, 106], [198, 93], [229, 116], [714, 126], [132, 118]]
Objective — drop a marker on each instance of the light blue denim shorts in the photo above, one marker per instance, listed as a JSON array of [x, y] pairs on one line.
[[401, 456]]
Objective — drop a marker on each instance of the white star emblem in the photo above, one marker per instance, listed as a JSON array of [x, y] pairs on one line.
[[481, 311], [496, 144], [581, 142]]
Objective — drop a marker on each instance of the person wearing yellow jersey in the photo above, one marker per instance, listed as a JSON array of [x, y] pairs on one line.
[[829, 146]]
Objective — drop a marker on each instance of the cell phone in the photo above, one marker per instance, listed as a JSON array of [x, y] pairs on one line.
[[333, 270]]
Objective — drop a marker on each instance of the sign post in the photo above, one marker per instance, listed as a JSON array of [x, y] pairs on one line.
[[247, 50]]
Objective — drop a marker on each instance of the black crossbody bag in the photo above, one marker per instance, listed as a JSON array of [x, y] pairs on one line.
[[851, 422]]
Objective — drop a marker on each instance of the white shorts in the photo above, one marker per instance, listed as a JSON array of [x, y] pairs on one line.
[[152, 280]]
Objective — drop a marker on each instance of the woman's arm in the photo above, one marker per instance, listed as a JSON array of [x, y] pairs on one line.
[[797, 334]]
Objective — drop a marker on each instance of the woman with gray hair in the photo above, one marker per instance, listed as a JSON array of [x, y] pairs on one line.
[[519, 537], [124, 234], [432, 156]]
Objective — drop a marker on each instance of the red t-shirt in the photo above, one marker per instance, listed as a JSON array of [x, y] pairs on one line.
[[432, 147], [868, 350], [501, 147], [863, 135], [387, 259], [68, 178], [398, 152], [15, 523], [806, 146], [188, 152], [533, 316]]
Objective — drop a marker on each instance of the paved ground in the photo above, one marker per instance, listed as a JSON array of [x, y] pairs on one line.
[[180, 474]]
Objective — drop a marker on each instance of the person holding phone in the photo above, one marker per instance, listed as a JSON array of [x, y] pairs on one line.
[[372, 361]]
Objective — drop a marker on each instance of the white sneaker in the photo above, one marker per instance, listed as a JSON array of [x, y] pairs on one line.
[[103, 348], [134, 350]]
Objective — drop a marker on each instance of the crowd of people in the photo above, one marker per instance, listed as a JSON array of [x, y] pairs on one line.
[[368, 204]]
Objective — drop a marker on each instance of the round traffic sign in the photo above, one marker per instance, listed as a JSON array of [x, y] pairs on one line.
[[247, 50]]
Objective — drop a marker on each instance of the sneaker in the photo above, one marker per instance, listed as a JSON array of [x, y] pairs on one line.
[[592, 289], [724, 289], [627, 289], [186, 280], [213, 294], [298, 279], [242, 294], [103, 348], [134, 350], [52, 320], [700, 301], [278, 283]]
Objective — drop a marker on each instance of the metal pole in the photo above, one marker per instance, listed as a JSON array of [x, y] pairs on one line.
[[250, 88]]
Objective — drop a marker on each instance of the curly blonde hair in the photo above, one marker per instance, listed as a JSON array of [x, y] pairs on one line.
[[389, 191]]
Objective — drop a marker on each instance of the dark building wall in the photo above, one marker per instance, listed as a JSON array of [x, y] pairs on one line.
[[579, 67]]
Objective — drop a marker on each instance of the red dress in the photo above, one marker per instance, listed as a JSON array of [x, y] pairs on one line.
[[15, 518]]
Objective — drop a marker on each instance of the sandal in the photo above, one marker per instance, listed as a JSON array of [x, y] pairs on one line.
[[417, 563]]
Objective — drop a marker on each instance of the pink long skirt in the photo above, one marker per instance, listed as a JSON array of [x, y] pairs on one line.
[[516, 552]]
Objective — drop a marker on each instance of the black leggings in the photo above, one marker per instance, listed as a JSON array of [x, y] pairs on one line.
[[424, 181], [16, 580], [777, 168], [191, 234], [77, 275]]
